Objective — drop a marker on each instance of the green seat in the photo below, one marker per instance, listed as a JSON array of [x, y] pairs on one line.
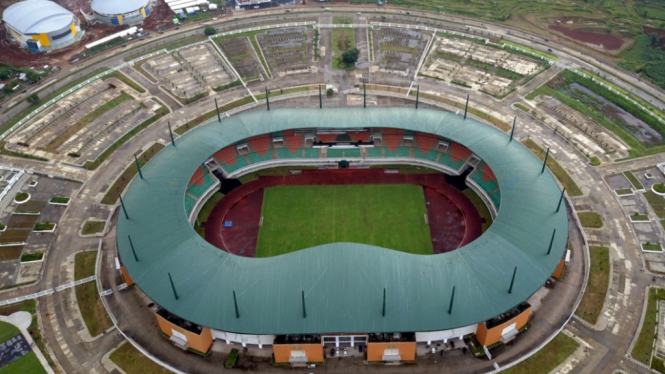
[[431, 155], [311, 153], [286, 153], [349, 152], [399, 152], [199, 189], [189, 204], [241, 162], [255, 158], [375, 152], [448, 161]]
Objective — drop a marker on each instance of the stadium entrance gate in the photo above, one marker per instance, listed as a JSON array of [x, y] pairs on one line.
[[344, 340]]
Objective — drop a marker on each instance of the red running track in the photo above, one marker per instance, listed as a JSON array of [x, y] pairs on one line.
[[453, 220]]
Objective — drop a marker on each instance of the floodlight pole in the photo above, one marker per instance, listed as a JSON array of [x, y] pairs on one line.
[[466, 106], [219, 117], [383, 313], [304, 310], [171, 133], [364, 95], [235, 302], [452, 297], [512, 132], [551, 242], [545, 161], [563, 192], [132, 246], [138, 166], [173, 287], [267, 99], [417, 95], [320, 99], [122, 204], [512, 282]]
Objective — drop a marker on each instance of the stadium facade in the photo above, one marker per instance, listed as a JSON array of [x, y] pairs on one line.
[[344, 294], [41, 25], [121, 12]]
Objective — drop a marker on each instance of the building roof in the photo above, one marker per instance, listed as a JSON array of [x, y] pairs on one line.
[[37, 16], [343, 282], [117, 7]]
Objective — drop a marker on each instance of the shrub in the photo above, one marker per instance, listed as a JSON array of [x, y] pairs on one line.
[[31, 256], [209, 30], [21, 196], [659, 187], [33, 98]]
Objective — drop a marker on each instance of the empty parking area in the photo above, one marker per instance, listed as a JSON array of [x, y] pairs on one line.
[[287, 51], [191, 71], [397, 49], [80, 123], [242, 56], [473, 63]]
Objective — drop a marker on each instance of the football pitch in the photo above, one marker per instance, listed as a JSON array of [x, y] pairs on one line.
[[299, 217]]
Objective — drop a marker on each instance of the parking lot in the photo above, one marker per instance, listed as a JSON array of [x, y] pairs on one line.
[[288, 51], [399, 50]]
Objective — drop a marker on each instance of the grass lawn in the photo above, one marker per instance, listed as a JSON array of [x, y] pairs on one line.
[[28, 364], [652, 247], [298, 217], [480, 207], [123, 180], [657, 203], [342, 39], [624, 191], [551, 356], [92, 227], [205, 212], [7, 331], [633, 180], [639, 217], [87, 295], [599, 278], [590, 220], [571, 187], [132, 361], [643, 346]]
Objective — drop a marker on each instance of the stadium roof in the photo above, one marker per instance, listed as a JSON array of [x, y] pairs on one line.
[[116, 7], [343, 282], [37, 16]]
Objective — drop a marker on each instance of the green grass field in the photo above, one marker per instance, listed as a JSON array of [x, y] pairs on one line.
[[27, 364], [299, 217]]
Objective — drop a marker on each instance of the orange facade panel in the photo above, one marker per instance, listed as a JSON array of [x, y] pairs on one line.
[[284, 352], [558, 272], [201, 343], [487, 337], [384, 351], [126, 277]]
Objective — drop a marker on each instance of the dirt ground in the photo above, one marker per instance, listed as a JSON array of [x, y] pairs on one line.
[[605, 41], [160, 17], [660, 42]]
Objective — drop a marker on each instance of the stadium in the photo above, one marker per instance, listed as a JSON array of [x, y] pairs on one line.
[[41, 25], [345, 249], [121, 12]]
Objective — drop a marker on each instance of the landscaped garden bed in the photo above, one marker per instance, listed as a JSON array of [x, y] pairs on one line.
[[44, 226], [599, 277], [623, 192], [32, 256], [590, 220], [231, 359], [21, 197], [92, 310], [651, 247], [92, 227], [638, 217], [59, 200], [30, 207], [13, 236]]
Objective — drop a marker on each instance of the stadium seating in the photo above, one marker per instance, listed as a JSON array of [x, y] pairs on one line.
[[312, 153], [260, 149], [344, 152], [484, 177], [189, 204], [375, 152], [431, 155]]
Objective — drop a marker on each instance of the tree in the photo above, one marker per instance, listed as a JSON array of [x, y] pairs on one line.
[[330, 92], [209, 30], [33, 98], [350, 57]]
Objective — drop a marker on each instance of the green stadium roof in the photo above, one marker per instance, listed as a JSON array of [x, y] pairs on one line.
[[343, 282]]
